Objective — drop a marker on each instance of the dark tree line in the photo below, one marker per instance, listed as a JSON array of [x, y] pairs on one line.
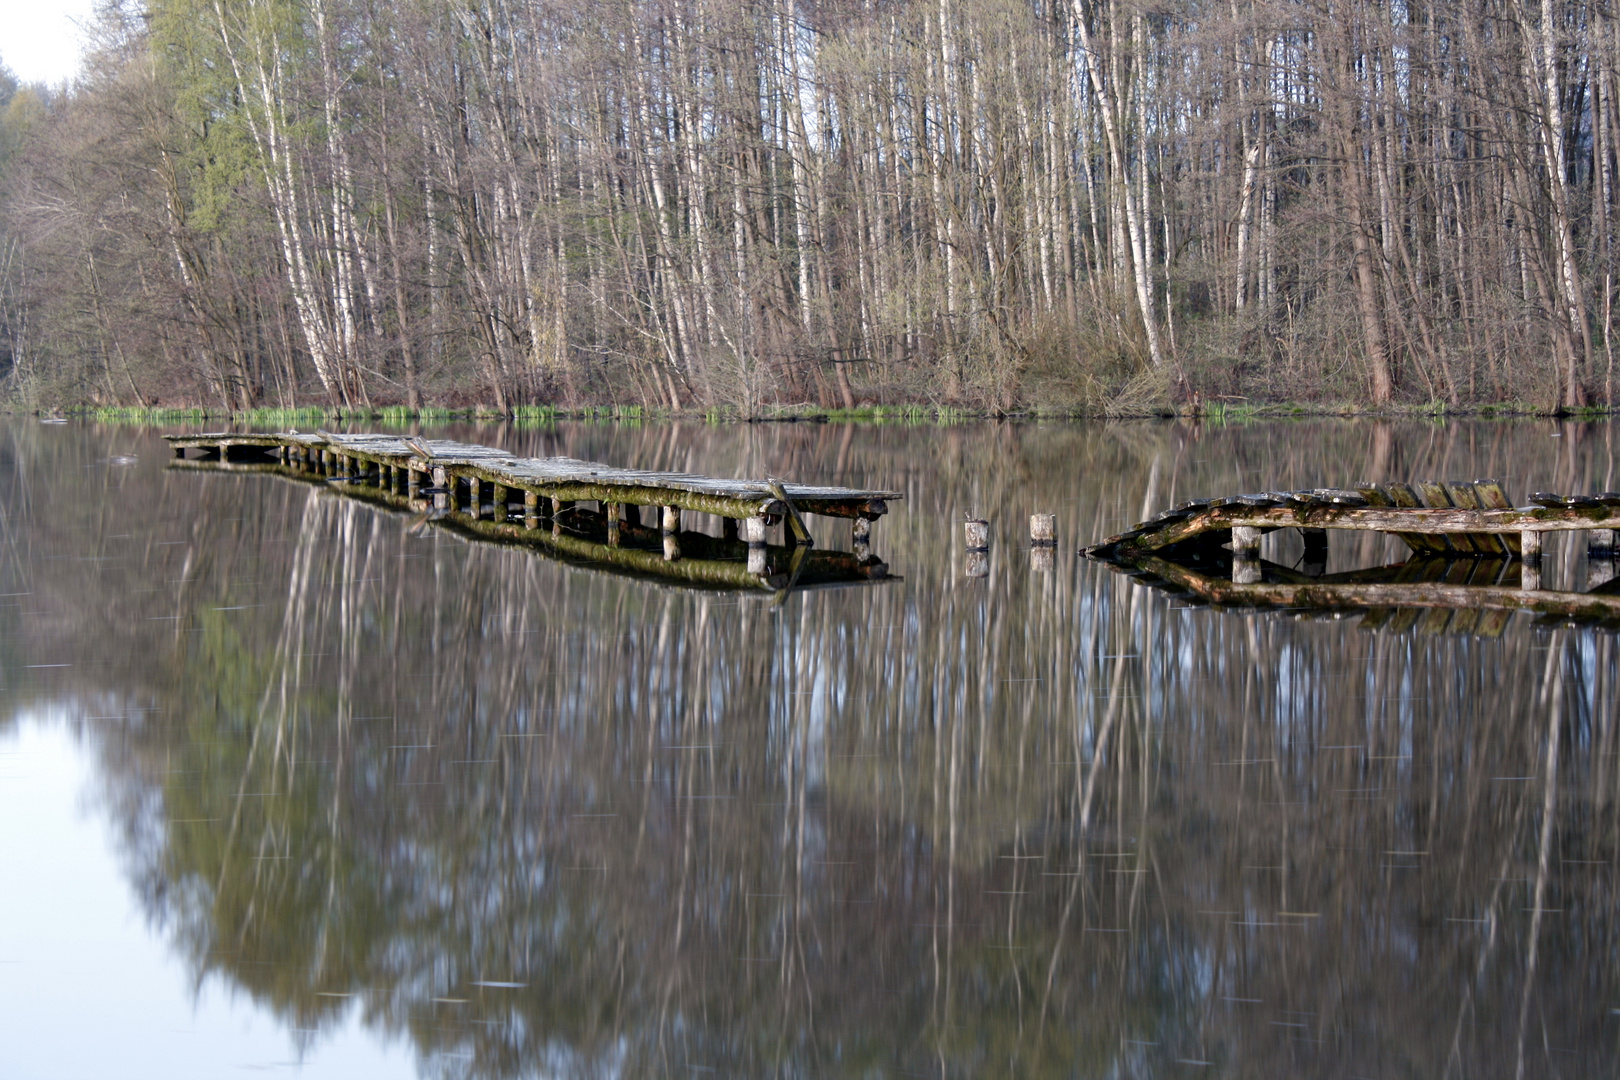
[[694, 203]]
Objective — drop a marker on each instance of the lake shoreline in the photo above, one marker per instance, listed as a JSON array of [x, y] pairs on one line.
[[915, 413]]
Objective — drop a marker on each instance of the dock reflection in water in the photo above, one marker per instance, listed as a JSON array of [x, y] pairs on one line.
[[532, 821]]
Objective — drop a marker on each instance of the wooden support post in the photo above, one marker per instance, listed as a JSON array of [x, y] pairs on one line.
[[413, 483], [672, 547], [475, 497], [1600, 544], [441, 479], [531, 510], [1530, 554], [499, 500], [1043, 530], [977, 534], [860, 536], [672, 520], [1245, 555], [753, 530], [612, 511]]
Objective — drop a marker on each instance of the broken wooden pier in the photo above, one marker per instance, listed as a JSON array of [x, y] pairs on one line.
[[1456, 518], [1472, 551], [593, 512]]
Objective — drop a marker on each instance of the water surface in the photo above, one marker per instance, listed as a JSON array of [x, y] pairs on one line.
[[288, 784]]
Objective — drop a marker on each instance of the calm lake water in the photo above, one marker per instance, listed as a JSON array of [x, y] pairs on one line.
[[286, 784]]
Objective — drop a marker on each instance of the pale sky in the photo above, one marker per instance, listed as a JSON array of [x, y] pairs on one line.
[[38, 40]]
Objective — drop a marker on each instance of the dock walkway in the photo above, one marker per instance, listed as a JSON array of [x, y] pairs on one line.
[[485, 493], [563, 479]]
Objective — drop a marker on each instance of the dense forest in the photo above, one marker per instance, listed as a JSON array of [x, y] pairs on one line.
[[757, 204]]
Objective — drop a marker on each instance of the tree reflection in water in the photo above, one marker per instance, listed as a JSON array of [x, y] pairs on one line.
[[541, 821]]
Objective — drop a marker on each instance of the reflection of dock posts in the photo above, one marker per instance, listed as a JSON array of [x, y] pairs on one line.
[[531, 510], [1530, 560], [754, 533], [613, 511], [413, 483], [672, 526], [977, 534], [500, 502], [1245, 555], [1316, 551], [558, 506], [475, 497], [1043, 542]]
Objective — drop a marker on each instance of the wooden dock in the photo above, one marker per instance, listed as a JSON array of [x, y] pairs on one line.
[[1454, 518], [591, 512]]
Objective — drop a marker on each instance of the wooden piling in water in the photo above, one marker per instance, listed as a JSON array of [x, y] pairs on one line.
[[1043, 530], [1530, 565]]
